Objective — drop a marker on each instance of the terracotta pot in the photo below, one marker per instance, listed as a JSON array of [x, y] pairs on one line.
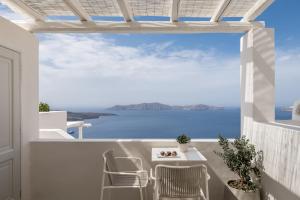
[[243, 195], [183, 147]]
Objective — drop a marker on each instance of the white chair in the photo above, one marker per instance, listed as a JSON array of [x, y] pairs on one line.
[[181, 182], [123, 179]]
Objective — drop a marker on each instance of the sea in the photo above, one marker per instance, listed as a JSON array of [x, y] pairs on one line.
[[205, 124]]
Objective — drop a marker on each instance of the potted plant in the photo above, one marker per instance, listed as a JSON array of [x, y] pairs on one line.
[[183, 142], [44, 107], [241, 157]]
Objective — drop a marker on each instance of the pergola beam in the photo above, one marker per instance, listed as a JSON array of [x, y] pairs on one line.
[[21, 8], [220, 10], [141, 27], [126, 11], [256, 10], [77, 9], [174, 10]]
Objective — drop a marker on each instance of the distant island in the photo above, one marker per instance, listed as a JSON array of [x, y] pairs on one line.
[[79, 116], [160, 106]]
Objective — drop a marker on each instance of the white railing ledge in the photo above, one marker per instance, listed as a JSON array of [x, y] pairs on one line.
[[74, 124], [288, 124], [291, 124], [127, 140], [54, 134]]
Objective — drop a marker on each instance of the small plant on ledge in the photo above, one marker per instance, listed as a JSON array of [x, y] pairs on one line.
[[183, 142], [44, 107], [241, 157]]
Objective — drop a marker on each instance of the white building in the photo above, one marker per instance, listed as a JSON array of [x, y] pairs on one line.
[[47, 169]]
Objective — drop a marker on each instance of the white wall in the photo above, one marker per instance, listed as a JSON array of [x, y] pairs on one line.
[[280, 144], [54, 134], [257, 77], [281, 152], [53, 120], [73, 169], [15, 38]]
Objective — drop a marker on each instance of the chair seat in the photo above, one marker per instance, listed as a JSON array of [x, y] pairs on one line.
[[127, 180]]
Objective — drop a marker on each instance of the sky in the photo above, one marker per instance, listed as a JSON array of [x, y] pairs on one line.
[[102, 70]]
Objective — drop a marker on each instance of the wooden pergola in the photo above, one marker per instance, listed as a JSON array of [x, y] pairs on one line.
[[207, 15]]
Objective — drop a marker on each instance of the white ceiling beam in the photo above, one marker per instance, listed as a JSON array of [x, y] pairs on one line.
[[256, 10], [174, 10], [77, 9], [220, 10], [21, 8], [141, 27], [126, 11]]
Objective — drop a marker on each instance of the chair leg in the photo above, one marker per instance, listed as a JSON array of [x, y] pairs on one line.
[[102, 187], [101, 195], [146, 193], [155, 195], [141, 193]]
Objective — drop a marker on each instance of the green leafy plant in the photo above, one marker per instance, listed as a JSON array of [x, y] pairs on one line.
[[44, 107], [240, 156], [183, 139]]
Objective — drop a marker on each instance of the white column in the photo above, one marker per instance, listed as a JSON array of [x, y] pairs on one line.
[[80, 132], [257, 78]]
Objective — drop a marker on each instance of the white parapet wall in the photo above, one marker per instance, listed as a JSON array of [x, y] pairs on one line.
[[53, 120], [54, 134], [53, 125], [281, 153]]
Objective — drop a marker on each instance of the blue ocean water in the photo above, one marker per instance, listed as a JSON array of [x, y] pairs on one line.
[[169, 124]]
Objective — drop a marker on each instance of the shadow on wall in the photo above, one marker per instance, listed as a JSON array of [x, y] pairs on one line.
[[273, 190], [257, 75]]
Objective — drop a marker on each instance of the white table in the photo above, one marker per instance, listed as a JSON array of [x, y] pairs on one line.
[[191, 155]]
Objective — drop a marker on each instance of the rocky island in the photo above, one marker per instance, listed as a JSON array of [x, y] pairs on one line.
[[79, 116], [160, 106]]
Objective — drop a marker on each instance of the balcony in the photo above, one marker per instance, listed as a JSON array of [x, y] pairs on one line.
[[71, 168], [40, 161]]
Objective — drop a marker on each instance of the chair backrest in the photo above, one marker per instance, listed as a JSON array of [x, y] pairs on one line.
[[181, 181], [110, 164]]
